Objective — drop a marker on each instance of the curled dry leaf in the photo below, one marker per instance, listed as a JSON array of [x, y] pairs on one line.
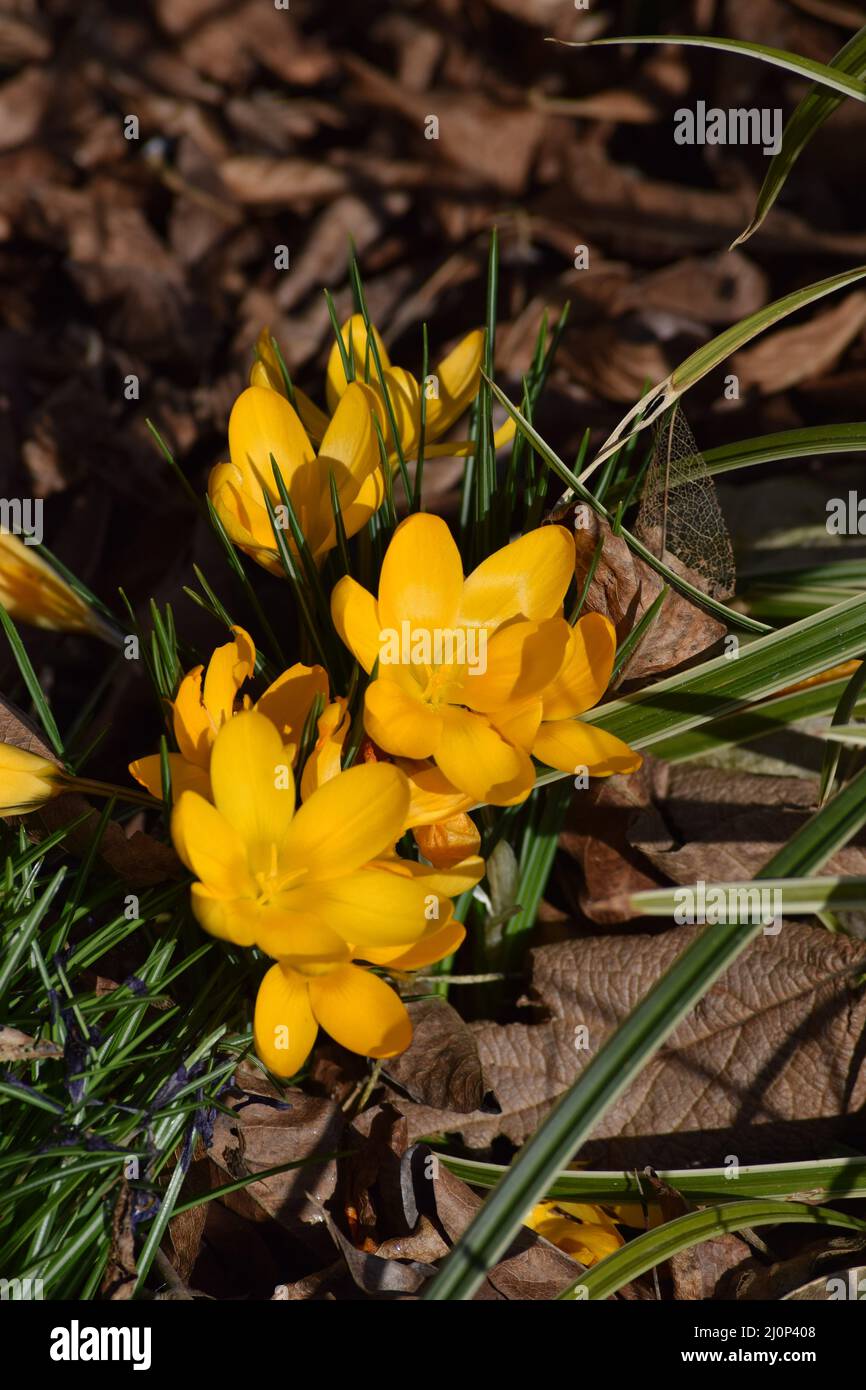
[[623, 588], [441, 1066]]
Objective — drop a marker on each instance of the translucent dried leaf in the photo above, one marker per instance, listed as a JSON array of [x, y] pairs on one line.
[[679, 510]]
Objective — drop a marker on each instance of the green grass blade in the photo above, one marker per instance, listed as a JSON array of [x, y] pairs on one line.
[[712, 354], [816, 107], [797, 896], [30, 679], [650, 1249], [823, 74], [822, 1180]]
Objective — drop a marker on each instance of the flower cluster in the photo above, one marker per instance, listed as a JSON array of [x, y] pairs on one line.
[[326, 821]]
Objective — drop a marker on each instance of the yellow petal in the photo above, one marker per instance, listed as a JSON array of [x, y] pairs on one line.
[[262, 423], [476, 758], [404, 394], [238, 504], [32, 592], [435, 945], [289, 699], [400, 722], [185, 776], [459, 376], [585, 673], [348, 821], [26, 780], [572, 747], [227, 670], [504, 434], [361, 1012], [422, 576], [519, 722], [284, 1028], [370, 907], [252, 784], [192, 726], [447, 881], [325, 759], [521, 660], [303, 940], [365, 367], [528, 578], [350, 453], [221, 917], [210, 847], [433, 798], [355, 616]]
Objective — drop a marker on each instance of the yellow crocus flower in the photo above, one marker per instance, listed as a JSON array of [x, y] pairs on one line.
[[32, 592], [310, 887], [264, 425], [27, 780], [586, 1233], [205, 700], [480, 674], [451, 389]]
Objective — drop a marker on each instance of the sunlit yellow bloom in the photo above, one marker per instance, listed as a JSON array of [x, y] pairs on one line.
[[586, 1233], [32, 592], [312, 888], [263, 424], [206, 700], [451, 388], [27, 781], [480, 674], [266, 372]]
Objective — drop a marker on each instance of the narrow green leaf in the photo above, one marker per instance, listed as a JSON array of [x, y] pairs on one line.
[[34, 689], [797, 896], [816, 107], [699, 363], [836, 1178], [823, 74], [652, 1247]]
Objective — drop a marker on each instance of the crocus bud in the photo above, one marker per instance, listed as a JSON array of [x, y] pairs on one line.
[[26, 780], [32, 592]]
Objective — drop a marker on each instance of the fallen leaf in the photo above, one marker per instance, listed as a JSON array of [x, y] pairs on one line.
[[791, 355], [767, 1066], [16, 1046], [624, 587], [265, 1128], [440, 1067]]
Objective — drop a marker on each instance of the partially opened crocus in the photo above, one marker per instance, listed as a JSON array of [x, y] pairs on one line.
[[584, 1232], [450, 388], [265, 429], [27, 780], [464, 666], [32, 592], [206, 699], [310, 887]]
